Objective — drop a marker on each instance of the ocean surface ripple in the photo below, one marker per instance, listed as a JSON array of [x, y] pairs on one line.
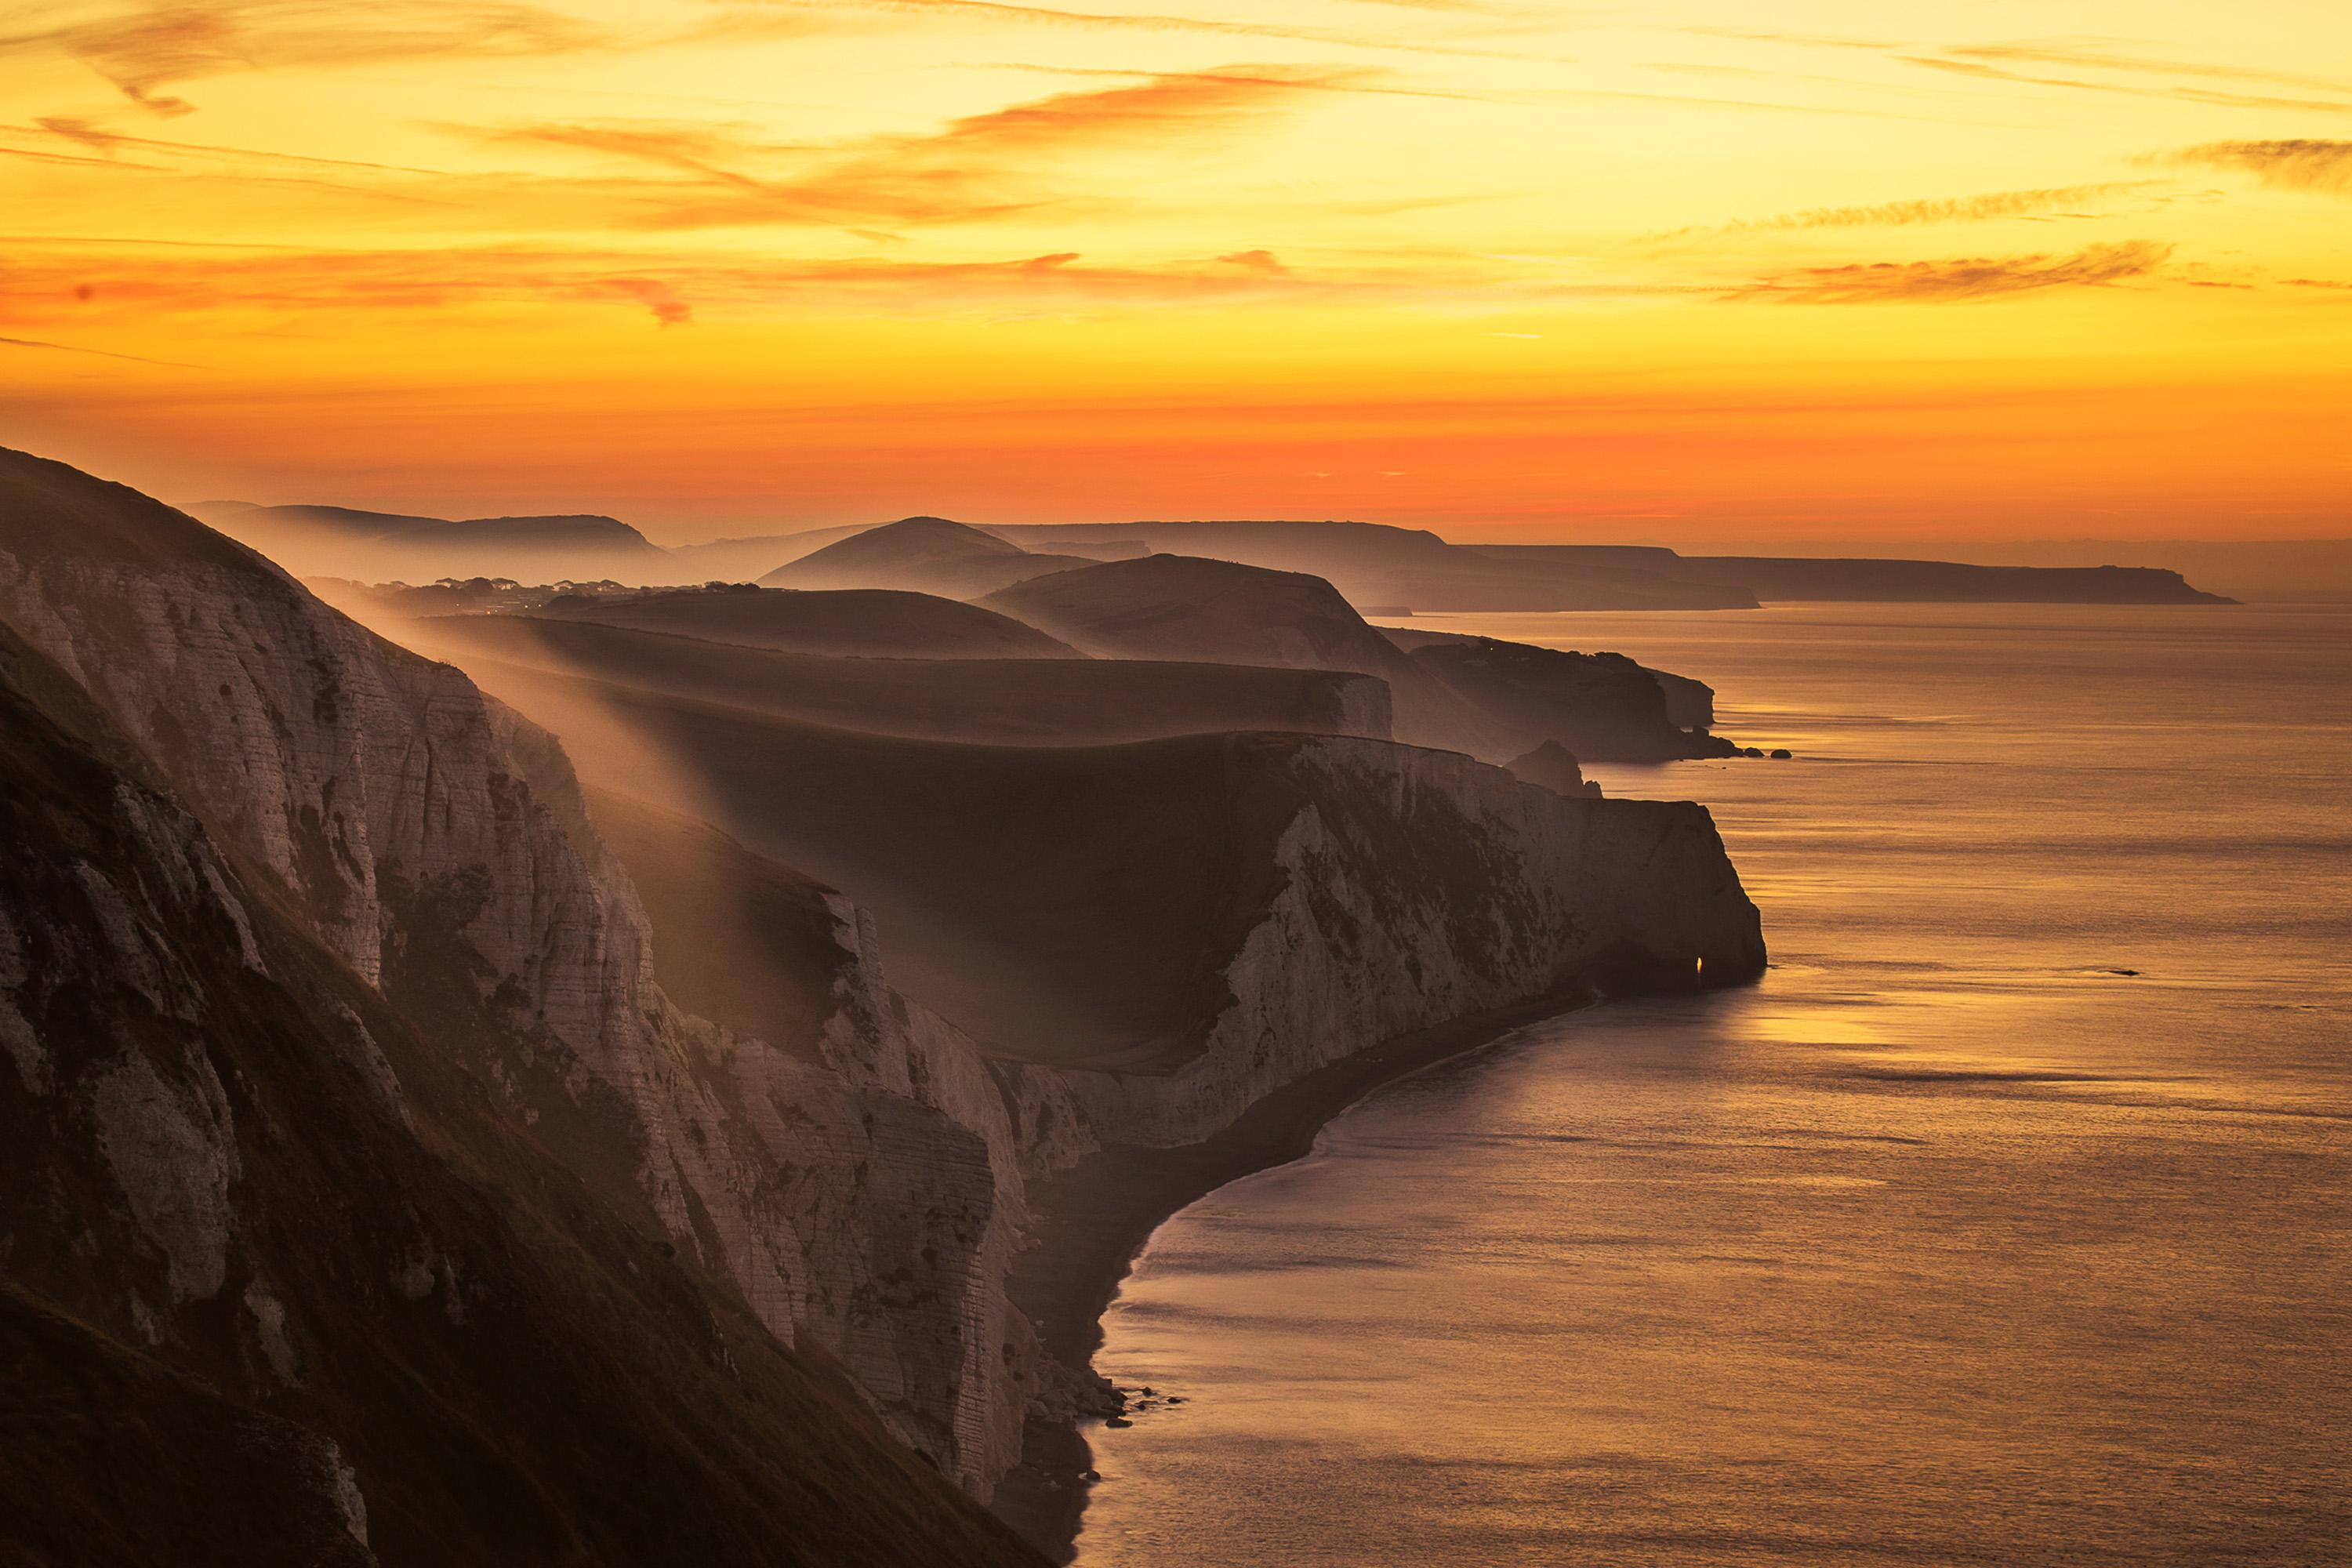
[[2008, 1221]]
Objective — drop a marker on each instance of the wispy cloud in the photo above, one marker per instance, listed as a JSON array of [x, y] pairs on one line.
[[2092, 66], [1962, 280], [2298, 163], [62, 284], [1941, 209], [160, 46], [82, 133], [981, 166], [1133, 22], [1960, 64], [1804, 40], [2080, 57], [1264, 262]]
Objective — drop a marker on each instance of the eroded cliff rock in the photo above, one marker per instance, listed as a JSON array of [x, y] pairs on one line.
[[374, 956], [1412, 888], [435, 844], [287, 1280]]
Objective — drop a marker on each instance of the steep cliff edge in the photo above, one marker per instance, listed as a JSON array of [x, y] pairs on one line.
[[1153, 942], [287, 1280], [1601, 706], [820, 1191], [1406, 888], [434, 845]]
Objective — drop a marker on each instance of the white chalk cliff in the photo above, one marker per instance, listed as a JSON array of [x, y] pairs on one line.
[[860, 1189]]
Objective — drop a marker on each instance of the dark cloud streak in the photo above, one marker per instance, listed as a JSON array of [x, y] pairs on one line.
[[161, 46], [1049, 16], [1959, 280], [1943, 210], [978, 166], [2296, 163]]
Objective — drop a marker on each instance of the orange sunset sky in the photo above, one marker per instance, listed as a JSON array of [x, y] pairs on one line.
[[1512, 269]]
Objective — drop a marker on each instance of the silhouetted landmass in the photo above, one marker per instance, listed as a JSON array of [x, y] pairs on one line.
[[1797, 578], [1182, 607], [2289, 570], [1372, 563], [1493, 699], [1396, 570], [745, 560], [925, 555], [1603, 707], [871, 623], [1031, 702], [342, 542]]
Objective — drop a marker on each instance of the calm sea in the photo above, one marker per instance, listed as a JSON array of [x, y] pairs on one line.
[[2008, 1221]]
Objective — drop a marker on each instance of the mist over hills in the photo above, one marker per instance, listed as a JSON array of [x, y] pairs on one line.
[[865, 623], [341, 542], [369, 1201], [1374, 565], [1155, 646], [720, 1044], [1182, 607], [1014, 701], [601, 1120]]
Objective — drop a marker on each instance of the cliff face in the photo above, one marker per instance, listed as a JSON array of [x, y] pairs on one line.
[[435, 843], [1601, 706], [294, 923], [1412, 888], [289, 1279]]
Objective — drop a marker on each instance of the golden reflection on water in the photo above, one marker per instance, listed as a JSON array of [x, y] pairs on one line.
[[1950, 1242]]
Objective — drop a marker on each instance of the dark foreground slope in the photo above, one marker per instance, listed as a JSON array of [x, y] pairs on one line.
[[852, 623], [365, 1196], [285, 1285], [1032, 702]]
